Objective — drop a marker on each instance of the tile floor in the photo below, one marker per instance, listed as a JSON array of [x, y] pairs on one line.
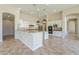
[[52, 46]]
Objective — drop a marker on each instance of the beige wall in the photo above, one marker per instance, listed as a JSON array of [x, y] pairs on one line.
[[55, 18]]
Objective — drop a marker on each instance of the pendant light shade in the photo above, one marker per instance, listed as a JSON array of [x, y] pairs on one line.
[[44, 21]]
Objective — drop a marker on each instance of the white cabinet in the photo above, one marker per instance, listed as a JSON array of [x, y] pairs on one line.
[[57, 33], [45, 35], [33, 40]]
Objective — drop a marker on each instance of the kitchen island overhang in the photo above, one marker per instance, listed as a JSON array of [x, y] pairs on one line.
[[33, 40]]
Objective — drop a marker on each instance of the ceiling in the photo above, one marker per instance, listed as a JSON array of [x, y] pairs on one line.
[[41, 9]]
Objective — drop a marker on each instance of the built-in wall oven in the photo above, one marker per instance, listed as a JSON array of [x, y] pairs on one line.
[[50, 29]]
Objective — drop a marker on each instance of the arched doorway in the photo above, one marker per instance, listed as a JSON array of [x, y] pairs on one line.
[[8, 20], [72, 24]]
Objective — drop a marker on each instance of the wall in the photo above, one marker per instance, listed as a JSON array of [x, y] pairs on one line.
[[55, 16], [55, 19], [11, 10]]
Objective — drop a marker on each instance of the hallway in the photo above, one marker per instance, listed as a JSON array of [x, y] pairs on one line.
[[54, 46]]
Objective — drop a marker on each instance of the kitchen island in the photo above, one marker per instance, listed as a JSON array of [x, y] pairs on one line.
[[32, 39], [57, 32]]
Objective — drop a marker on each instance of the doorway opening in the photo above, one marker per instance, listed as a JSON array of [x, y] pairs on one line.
[[8, 26], [72, 26]]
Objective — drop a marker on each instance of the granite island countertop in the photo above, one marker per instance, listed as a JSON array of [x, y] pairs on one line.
[[29, 31], [57, 29]]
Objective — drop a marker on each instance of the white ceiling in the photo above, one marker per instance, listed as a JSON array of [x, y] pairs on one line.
[[41, 9]]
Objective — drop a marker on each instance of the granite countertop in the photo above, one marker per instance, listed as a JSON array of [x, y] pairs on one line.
[[29, 30], [57, 29]]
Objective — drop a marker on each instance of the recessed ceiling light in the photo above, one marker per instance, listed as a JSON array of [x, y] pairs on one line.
[[38, 9], [19, 8], [54, 10]]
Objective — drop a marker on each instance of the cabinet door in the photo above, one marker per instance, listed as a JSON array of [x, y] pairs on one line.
[[38, 38], [45, 35]]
